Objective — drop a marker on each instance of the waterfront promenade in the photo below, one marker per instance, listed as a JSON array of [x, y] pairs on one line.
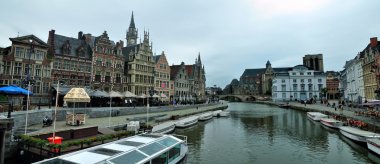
[[103, 122], [347, 112]]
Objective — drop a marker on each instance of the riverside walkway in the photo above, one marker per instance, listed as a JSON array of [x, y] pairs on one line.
[[122, 120], [347, 112]]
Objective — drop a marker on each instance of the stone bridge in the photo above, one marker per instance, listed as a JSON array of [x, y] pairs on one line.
[[240, 98]]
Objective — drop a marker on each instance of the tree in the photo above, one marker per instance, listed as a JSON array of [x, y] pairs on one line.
[[324, 92]]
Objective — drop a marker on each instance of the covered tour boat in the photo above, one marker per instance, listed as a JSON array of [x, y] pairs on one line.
[[140, 149]]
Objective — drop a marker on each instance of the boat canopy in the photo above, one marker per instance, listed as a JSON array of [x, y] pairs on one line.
[[136, 149]]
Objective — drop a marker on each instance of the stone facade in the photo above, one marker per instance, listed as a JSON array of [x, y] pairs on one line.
[[72, 60], [370, 69], [20, 64], [139, 62], [314, 61], [162, 77], [108, 65], [180, 77]]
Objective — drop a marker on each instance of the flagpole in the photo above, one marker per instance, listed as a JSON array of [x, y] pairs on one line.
[[55, 111]]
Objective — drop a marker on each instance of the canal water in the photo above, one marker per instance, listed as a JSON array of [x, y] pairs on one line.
[[256, 133]]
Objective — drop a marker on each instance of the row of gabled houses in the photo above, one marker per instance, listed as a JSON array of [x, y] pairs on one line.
[[358, 82], [98, 63]]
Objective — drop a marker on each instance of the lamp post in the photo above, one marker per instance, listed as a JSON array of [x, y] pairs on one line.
[[28, 81]]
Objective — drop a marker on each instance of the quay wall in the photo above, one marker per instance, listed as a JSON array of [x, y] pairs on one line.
[[373, 124], [35, 117]]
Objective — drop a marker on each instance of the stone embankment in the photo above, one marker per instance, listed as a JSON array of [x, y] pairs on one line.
[[347, 113]]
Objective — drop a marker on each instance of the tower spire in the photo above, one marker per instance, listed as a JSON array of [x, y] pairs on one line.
[[132, 32], [132, 24]]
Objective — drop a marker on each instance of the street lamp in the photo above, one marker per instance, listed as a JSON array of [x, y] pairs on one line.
[[28, 81]]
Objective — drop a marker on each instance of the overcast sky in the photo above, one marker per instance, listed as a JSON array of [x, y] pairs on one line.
[[230, 35]]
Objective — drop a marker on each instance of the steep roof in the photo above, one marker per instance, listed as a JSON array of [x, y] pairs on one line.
[[156, 58], [75, 44], [253, 72], [25, 40], [127, 50], [189, 70], [173, 71]]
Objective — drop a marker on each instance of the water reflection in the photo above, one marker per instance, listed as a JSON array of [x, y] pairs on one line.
[[266, 134]]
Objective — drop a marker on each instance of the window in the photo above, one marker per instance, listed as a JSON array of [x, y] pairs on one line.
[[19, 52], [38, 70], [283, 81], [17, 69], [293, 73], [7, 68], [301, 73], [294, 80], [39, 55], [295, 95], [283, 87], [294, 87], [302, 87], [310, 87], [283, 95], [308, 73], [319, 80], [309, 80], [302, 80]]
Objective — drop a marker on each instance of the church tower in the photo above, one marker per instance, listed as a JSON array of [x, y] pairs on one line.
[[132, 33]]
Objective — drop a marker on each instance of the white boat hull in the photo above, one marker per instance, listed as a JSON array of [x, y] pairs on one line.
[[224, 114], [205, 117], [357, 134], [316, 116], [164, 128], [187, 122], [332, 123], [373, 145]]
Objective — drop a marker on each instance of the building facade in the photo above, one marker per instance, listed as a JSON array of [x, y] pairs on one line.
[[354, 89], [314, 61], [332, 85], [108, 65], [72, 60], [370, 69], [139, 62], [179, 75], [259, 81], [162, 77], [26, 60], [299, 83]]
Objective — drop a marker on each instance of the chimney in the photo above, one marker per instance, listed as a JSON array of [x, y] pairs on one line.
[[373, 42], [80, 35], [51, 42]]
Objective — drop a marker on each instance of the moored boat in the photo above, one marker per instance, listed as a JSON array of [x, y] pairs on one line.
[[332, 123], [205, 116], [143, 148], [224, 114], [216, 113], [357, 134], [316, 116], [186, 122], [374, 145], [164, 128]]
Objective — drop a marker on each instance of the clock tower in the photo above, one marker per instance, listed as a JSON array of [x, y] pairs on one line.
[[132, 33]]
